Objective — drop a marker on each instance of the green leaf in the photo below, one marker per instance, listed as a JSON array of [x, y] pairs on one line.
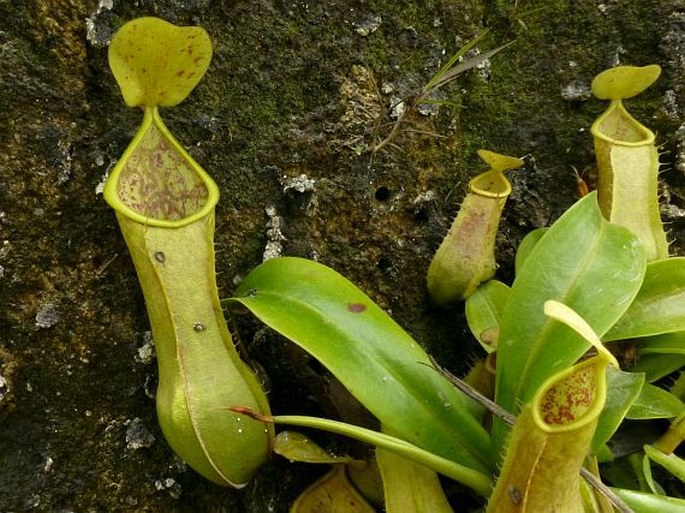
[[656, 366], [527, 245], [371, 355], [622, 390], [678, 386], [642, 502], [658, 307], [655, 403], [295, 446], [666, 343], [654, 487], [670, 462], [442, 74], [603, 454], [484, 310], [410, 487], [622, 472], [584, 262]]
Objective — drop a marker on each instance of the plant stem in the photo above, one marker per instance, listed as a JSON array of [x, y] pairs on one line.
[[464, 475]]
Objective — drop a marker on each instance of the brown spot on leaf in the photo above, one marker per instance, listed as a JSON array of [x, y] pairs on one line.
[[356, 307]]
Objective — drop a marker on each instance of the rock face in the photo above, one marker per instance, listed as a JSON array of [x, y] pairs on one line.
[[286, 120]]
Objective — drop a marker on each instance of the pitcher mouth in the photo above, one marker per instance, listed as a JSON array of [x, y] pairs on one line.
[[491, 184], [617, 126], [156, 182]]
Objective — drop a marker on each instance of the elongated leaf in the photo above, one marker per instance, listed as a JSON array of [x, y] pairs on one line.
[[670, 462], [484, 310], [367, 479], [654, 487], [678, 389], [666, 343], [603, 454], [655, 403], [449, 75], [410, 487], [527, 245], [659, 306], [371, 355], [622, 390], [649, 503], [440, 75], [656, 366], [582, 261]]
